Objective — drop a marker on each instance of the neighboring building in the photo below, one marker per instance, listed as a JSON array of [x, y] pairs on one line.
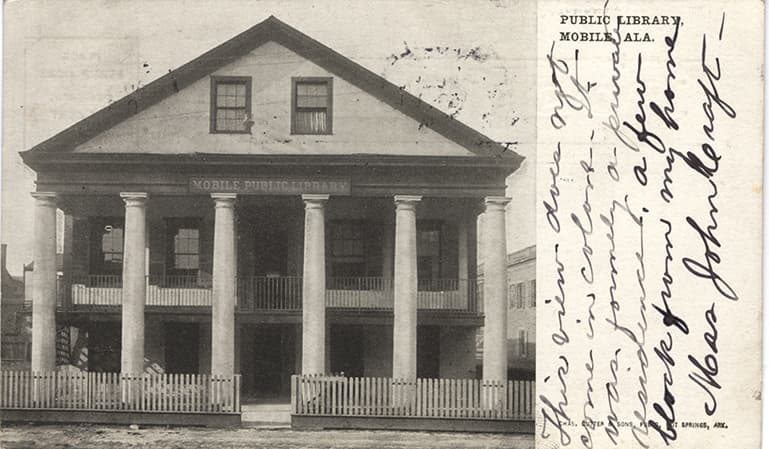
[[522, 312], [14, 336], [273, 208]]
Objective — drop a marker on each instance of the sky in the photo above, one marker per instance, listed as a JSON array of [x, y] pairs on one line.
[[63, 61]]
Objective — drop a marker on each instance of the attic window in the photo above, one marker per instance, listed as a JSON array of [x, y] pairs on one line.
[[231, 104], [311, 101]]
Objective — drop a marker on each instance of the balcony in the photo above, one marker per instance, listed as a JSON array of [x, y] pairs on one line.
[[361, 293], [106, 290], [273, 293]]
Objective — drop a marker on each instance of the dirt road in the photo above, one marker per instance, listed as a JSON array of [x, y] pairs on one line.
[[106, 437]]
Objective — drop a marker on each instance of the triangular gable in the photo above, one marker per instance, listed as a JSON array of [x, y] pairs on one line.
[[273, 29]]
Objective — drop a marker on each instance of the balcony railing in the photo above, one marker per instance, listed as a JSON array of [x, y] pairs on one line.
[[367, 293], [189, 291], [270, 293], [446, 294], [274, 293], [97, 289], [107, 290]]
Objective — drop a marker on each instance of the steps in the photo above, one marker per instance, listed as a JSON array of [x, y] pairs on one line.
[[265, 415]]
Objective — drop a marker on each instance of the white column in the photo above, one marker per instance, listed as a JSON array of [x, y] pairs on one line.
[[405, 288], [223, 279], [314, 286], [44, 284], [495, 290], [134, 283], [462, 262]]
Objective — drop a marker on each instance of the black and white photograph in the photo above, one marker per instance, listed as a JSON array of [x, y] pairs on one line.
[[268, 224]]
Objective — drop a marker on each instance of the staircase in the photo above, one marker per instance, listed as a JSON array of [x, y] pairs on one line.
[[266, 415], [63, 345]]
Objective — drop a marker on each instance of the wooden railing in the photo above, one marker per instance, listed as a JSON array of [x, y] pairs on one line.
[[423, 398], [106, 290], [369, 293], [177, 290], [275, 293], [447, 294], [115, 391], [270, 293], [97, 289]]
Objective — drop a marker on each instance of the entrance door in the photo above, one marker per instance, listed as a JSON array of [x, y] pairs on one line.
[[268, 360], [346, 347], [428, 352], [182, 347]]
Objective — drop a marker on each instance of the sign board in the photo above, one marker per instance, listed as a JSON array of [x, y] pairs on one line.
[[269, 186]]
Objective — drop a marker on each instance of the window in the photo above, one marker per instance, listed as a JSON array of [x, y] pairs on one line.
[[519, 294], [231, 105], [355, 248], [347, 249], [106, 246], [184, 246], [311, 100], [429, 270]]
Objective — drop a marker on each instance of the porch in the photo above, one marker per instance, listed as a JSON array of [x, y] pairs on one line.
[[220, 263], [269, 293]]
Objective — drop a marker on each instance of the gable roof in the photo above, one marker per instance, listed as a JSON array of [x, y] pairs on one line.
[[272, 29]]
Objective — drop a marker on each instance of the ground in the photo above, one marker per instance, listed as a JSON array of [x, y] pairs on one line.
[[108, 437]]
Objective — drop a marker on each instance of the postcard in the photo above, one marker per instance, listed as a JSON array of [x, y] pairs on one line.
[[497, 223]]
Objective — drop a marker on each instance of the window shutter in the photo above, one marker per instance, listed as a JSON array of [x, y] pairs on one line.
[[533, 292]]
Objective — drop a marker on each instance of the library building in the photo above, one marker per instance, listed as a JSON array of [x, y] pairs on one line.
[[273, 212]]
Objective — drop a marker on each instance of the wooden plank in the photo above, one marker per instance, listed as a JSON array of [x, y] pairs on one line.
[[356, 395], [419, 398], [197, 397], [9, 387], [529, 413], [347, 400], [323, 395], [24, 390]]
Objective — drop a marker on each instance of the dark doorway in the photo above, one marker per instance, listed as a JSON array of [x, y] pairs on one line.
[[182, 347], [346, 350], [104, 347], [268, 359], [271, 251], [429, 352]]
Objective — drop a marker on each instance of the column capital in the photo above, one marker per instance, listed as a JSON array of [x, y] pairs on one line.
[[496, 203], [314, 200], [224, 199], [134, 199], [406, 201], [45, 198]]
